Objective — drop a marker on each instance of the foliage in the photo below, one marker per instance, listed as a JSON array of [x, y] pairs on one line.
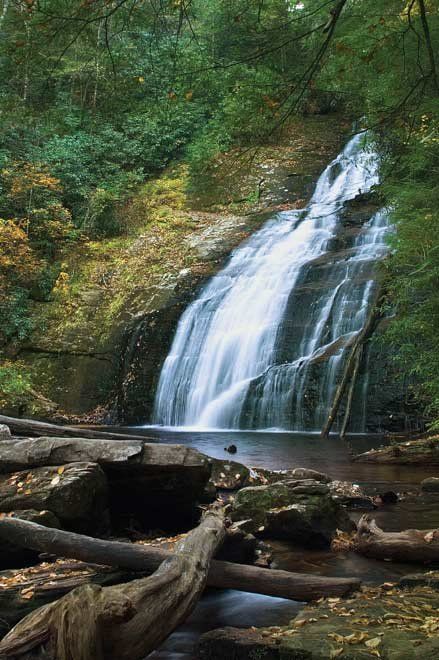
[[98, 97], [15, 381]]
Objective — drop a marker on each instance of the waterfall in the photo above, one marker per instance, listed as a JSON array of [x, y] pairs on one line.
[[263, 344]]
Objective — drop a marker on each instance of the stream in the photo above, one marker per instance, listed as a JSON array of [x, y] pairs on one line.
[[288, 450]]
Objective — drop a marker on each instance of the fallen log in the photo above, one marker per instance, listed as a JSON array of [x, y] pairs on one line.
[[24, 590], [410, 545], [222, 574], [123, 622], [424, 451], [34, 428]]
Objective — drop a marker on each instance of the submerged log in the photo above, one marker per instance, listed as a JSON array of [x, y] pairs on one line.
[[124, 622], [283, 584], [31, 427], [409, 545]]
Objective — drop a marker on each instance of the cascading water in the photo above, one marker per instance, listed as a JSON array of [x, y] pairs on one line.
[[246, 351]]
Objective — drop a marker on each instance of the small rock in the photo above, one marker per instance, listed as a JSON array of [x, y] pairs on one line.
[[232, 449]]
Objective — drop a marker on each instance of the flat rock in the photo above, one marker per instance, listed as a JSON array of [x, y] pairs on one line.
[[77, 493], [377, 622]]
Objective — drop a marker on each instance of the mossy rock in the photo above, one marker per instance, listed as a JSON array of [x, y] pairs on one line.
[[299, 510]]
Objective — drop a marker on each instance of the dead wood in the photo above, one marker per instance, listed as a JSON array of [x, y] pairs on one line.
[[32, 427], [222, 574], [123, 622], [409, 545]]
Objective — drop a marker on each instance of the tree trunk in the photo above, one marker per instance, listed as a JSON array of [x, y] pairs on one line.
[[362, 336], [409, 545], [31, 427], [222, 574], [351, 390], [124, 622]]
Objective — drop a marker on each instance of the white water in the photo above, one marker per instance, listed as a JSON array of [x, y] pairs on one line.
[[224, 369]]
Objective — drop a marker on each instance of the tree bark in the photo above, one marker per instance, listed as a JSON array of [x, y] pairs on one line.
[[428, 43], [410, 545], [124, 622], [31, 427], [227, 575]]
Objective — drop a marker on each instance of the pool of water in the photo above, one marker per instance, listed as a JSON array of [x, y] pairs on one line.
[[278, 450]]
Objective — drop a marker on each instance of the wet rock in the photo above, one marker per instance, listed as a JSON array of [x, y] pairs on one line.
[[236, 644], [428, 579], [262, 476], [232, 449], [377, 622], [302, 511], [5, 433], [76, 493], [430, 485], [14, 556], [351, 496], [229, 475]]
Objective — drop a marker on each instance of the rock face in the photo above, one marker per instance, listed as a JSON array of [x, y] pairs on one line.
[[301, 511], [77, 494]]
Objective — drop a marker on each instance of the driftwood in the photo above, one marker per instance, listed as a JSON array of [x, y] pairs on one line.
[[24, 590], [124, 622], [31, 427], [222, 574], [347, 375], [409, 545]]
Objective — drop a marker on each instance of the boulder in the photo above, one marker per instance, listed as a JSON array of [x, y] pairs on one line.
[[430, 485], [77, 493], [299, 510], [5, 433], [151, 484]]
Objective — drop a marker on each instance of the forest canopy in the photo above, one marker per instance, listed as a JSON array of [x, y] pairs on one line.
[[98, 96]]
